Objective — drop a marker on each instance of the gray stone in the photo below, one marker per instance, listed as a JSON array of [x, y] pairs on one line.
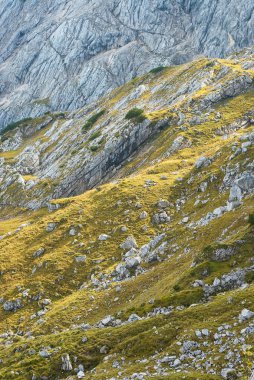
[[143, 215], [103, 237], [108, 321], [229, 373], [44, 353], [80, 259], [202, 162], [66, 363], [245, 315], [134, 318], [122, 272], [104, 350], [132, 262], [35, 57], [13, 305], [161, 218], [163, 203], [51, 226], [129, 243], [39, 252], [188, 346], [73, 231]]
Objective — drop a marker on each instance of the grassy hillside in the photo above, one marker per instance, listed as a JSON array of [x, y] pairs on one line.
[[60, 273]]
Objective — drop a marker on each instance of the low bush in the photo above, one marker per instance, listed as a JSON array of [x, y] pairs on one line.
[[93, 148], [157, 69], [16, 124], [135, 114], [251, 219], [95, 136], [93, 119]]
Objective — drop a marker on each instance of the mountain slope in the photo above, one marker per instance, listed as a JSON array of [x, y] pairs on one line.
[[61, 55], [149, 276], [60, 155]]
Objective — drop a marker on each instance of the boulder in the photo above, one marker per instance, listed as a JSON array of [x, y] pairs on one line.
[[229, 374], [80, 259], [73, 231], [129, 243], [163, 203], [13, 305], [44, 353], [161, 218], [245, 315], [202, 162], [39, 252], [143, 215], [103, 237], [122, 272], [51, 226], [104, 350], [66, 363], [132, 262], [108, 321], [134, 318]]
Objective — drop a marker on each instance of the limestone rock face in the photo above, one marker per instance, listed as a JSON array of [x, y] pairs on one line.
[[62, 54]]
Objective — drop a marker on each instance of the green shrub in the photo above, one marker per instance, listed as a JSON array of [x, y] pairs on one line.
[[17, 124], [93, 119], [157, 69], [249, 277], [93, 148], [135, 114], [140, 118], [94, 136], [101, 141], [251, 219], [60, 115]]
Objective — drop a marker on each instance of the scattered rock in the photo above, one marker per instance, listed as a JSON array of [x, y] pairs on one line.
[[44, 353], [80, 374], [161, 218], [51, 226], [13, 305], [66, 363], [104, 350], [73, 231], [143, 215], [129, 243], [134, 318], [229, 374], [39, 252], [245, 315], [103, 237], [163, 203], [80, 259], [202, 162]]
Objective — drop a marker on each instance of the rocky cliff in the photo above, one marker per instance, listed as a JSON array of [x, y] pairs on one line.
[[59, 155], [64, 54]]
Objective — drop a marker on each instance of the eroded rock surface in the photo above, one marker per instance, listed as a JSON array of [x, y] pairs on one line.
[[63, 54]]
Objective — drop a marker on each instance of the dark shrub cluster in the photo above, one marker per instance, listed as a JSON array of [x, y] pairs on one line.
[[135, 114], [93, 119]]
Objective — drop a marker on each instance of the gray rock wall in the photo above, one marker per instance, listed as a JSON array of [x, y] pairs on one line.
[[62, 54]]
